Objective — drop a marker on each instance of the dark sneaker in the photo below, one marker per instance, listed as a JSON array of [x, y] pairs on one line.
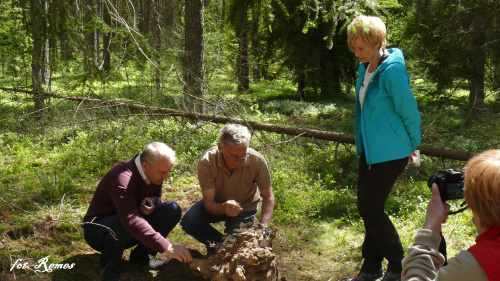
[[392, 276], [362, 276], [139, 257]]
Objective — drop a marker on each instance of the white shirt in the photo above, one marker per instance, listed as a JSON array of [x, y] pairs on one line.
[[362, 90], [141, 171]]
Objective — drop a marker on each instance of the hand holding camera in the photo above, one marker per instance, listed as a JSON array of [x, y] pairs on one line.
[[450, 183], [437, 211], [147, 206]]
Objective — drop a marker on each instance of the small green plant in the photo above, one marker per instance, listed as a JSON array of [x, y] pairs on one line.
[[53, 187]]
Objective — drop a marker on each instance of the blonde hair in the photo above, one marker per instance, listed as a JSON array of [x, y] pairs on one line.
[[371, 29], [482, 187]]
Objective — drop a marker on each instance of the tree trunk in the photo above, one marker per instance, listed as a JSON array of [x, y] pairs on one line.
[[256, 10], [158, 13], [301, 85], [106, 52], [66, 50], [329, 80], [194, 67], [39, 58], [171, 10], [242, 63], [90, 9], [223, 15], [476, 96], [478, 60]]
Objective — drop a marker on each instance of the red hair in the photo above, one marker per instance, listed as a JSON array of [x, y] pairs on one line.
[[482, 187]]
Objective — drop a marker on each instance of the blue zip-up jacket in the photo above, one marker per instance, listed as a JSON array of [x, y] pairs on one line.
[[388, 126]]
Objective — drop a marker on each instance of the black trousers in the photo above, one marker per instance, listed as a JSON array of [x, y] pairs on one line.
[[163, 219], [382, 238]]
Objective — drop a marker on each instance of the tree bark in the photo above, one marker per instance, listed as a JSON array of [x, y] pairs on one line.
[[223, 14], [478, 59], [301, 85], [329, 80], [194, 67], [242, 62], [157, 15], [39, 58], [255, 44], [90, 9], [476, 96], [106, 52]]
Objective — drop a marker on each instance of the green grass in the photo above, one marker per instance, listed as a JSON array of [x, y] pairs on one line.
[[50, 168]]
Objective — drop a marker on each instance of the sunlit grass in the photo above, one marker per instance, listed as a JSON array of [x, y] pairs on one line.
[[49, 169]]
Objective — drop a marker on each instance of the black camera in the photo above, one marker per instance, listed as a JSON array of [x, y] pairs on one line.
[[450, 183]]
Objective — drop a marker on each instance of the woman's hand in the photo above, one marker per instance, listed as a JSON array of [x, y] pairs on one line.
[[437, 211]]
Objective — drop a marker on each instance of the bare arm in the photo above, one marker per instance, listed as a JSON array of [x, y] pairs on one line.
[[230, 207], [267, 206], [211, 206]]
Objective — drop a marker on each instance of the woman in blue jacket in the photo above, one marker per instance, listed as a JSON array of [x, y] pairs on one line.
[[387, 131]]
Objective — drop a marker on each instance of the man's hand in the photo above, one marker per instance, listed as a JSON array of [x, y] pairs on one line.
[[147, 206], [437, 211], [232, 208], [178, 252]]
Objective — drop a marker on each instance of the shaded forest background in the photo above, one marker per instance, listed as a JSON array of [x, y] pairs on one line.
[[181, 46], [84, 85]]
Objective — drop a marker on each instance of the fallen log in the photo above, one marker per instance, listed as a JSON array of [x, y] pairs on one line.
[[442, 152]]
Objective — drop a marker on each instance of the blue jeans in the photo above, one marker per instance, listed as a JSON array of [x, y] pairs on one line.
[[196, 222], [164, 218]]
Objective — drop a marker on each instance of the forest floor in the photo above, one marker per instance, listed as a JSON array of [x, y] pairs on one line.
[[85, 259], [327, 251], [47, 181]]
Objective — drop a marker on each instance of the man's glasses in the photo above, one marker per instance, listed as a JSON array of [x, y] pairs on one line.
[[235, 157]]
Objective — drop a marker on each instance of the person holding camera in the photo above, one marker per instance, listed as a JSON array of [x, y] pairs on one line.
[[387, 132], [127, 210], [482, 260]]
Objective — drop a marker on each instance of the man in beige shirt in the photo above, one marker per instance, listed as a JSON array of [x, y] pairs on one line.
[[231, 175]]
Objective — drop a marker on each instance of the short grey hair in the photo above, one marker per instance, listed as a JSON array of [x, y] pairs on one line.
[[234, 134], [155, 149]]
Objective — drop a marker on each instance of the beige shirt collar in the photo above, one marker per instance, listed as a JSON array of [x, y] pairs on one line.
[[141, 171]]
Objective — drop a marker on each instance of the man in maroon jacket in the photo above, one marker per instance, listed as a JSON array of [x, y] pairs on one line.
[[126, 210]]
